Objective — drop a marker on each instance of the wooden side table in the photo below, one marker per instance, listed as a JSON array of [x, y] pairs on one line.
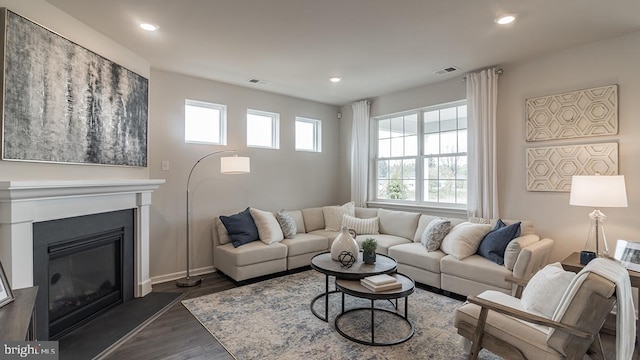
[[572, 263], [17, 318]]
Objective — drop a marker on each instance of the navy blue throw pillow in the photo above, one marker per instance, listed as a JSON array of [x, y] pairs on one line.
[[495, 242], [241, 228]]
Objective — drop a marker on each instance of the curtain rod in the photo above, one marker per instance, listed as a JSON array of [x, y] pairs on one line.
[[498, 71], [367, 100]]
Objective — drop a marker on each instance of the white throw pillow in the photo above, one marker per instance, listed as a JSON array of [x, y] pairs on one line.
[[546, 288], [463, 239], [367, 226], [268, 227], [333, 215]]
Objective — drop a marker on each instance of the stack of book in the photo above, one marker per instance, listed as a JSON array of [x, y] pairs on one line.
[[381, 282]]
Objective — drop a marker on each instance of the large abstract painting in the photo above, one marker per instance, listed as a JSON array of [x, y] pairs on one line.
[[64, 103]]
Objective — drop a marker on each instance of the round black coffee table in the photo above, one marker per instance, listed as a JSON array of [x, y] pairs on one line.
[[325, 264], [354, 288]]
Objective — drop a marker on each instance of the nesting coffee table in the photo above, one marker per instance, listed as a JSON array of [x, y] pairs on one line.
[[354, 288], [329, 267]]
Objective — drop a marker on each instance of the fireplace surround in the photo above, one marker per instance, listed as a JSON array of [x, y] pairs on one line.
[[23, 203]]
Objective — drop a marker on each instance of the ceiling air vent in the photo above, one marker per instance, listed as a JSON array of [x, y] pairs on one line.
[[257, 81], [446, 70]]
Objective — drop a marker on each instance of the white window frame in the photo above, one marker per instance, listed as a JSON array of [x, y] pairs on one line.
[[317, 133], [419, 161], [222, 127], [275, 128]]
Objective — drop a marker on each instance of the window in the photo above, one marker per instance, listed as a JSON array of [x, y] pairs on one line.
[[205, 123], [421, 156], [262, 129], [308, 134]]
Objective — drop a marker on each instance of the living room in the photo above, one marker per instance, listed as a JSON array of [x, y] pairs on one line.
[[283, 178]]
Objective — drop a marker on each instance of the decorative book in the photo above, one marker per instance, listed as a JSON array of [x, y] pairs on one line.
[[384, 283]]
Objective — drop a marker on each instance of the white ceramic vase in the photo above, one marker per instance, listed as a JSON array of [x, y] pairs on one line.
[[344, 242]]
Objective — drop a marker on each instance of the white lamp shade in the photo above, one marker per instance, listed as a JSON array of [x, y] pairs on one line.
[[598, 191], [235, 165]]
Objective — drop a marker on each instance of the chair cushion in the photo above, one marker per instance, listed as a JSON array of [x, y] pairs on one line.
[[313, 219], [398, 223], [384, 241]]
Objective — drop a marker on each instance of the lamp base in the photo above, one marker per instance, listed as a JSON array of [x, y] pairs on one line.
[[189, 281]]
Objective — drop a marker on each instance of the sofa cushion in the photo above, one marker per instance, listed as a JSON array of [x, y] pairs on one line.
[[313, 219], [253, 253], [434, 233], [463, 239], [416, 255], [513, 249], [268, 227], [305, 244], [287, 224], [398, 223], [330, 235], [476, 268], [384, 241], [495, 242], [223, 236], [240, 227], [361, 226], [546, 288], [526, 227], [366, 213], [333, 215]]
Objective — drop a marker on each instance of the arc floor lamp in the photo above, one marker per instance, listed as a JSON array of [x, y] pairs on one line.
[[228, 165]]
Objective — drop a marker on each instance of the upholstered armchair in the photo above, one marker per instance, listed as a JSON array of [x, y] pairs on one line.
[[514, 328]]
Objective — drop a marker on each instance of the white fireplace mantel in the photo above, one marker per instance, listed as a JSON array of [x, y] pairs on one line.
[[23, 203]]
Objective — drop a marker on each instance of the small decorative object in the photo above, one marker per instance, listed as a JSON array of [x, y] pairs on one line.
[[369, 246], [586, 256], [347, 259], [628, 253], [344, 242], [6, 296]]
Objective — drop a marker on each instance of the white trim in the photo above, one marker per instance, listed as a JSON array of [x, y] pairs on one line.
[[317, 133], [181, 274], [275, 128], [429, 210]]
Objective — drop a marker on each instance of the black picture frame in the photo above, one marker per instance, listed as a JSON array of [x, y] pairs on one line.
[[63, 103], [6, 295]]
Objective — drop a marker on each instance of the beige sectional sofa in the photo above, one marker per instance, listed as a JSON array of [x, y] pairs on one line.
[[399, 236]]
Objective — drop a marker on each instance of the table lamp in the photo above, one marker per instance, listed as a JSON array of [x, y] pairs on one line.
[[598, 191]]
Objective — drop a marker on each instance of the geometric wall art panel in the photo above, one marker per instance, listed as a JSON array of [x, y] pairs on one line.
[[590, 112], [550, 168], [63, 103]]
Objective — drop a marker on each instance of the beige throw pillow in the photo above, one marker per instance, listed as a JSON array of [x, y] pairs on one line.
[[333, 215], [546, 288], [268, 227], [463, 239], [361, 226]]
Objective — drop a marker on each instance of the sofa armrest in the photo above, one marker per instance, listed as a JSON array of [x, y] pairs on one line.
[[532, 258]]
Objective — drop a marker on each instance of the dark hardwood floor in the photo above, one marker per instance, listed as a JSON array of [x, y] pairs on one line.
[[177, 335]]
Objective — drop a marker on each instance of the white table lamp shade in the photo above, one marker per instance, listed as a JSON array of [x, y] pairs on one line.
[[235, 165], [598, 191]]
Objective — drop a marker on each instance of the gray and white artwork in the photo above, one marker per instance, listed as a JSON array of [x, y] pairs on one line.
[[64, 103]]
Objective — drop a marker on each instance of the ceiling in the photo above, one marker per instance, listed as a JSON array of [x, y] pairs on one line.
[[376, 46]]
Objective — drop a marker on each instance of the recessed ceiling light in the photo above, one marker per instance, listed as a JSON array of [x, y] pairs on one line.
[[335, 79], [149, 27], [505, 19]]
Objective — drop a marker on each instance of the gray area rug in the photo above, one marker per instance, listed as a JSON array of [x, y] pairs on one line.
[[272, 320]]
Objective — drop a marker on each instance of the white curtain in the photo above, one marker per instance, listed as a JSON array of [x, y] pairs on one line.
[[360, 152], [482, 99]]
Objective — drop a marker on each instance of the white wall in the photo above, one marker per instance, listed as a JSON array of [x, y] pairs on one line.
[[613, 61], [279, 179], [43, 13], [607, 62]]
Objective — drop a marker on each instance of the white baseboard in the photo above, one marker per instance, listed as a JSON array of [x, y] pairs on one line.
[[179, 275]]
